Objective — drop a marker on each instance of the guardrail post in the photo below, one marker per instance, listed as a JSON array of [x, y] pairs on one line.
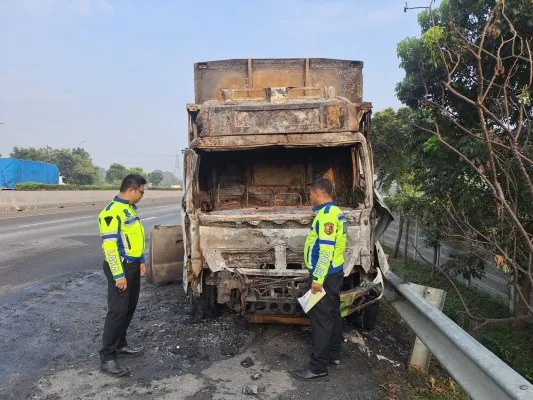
[[420, 355]]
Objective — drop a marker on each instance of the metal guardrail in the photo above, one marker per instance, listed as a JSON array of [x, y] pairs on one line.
[[479, 372]]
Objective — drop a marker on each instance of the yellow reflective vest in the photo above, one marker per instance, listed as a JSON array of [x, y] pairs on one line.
[[122, 235], [326, 242]]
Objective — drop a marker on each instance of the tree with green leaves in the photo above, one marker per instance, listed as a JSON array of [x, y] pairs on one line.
[[138, 171], [392, 132], [169, 179], [155, 177], [470, 78], [116, 173]]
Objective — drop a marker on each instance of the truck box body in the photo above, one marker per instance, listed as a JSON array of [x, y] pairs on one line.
[[13, 171]]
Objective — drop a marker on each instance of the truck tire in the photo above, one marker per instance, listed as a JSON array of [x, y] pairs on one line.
[[211, 308], [206, 306], [370, 316], [356, 319]]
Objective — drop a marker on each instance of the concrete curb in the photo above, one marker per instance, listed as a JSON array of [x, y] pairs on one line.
[[13, 201]]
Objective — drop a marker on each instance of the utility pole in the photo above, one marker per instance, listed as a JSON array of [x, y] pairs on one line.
[[416, 8], [176, 165]]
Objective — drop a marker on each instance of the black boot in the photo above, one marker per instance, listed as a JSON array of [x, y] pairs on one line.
[[307, 374], [112, 368]]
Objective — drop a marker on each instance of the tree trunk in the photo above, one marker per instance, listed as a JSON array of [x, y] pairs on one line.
[[436, 257], [406, 251], [521, 308], [399, 238]]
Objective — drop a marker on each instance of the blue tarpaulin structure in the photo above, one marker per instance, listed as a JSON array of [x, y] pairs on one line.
[[13, 171]]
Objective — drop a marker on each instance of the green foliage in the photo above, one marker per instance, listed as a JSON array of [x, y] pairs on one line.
[[138, 171], [432, 40], [404, 198], [432, 218], [34, 186], [431, 144], [169, 179], [391, 130], [74, 164], [116, 173], [515, 348], [155, 177], [455, 199]]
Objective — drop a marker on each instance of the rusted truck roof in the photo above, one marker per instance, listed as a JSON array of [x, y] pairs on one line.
[[345, 76], [249, 103]]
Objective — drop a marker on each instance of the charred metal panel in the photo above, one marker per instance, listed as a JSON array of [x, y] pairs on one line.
[[319, 140], [263, 118], [212, 76], [274, 121], [247, 246]]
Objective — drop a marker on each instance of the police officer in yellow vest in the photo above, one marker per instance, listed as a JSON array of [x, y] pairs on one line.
[[123, 242], [324, 258]]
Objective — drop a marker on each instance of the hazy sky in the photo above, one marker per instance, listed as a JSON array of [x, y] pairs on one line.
[[115, 75]]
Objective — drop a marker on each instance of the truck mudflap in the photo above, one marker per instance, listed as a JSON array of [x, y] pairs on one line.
[[384, 215], [166, 254], [360, 297]]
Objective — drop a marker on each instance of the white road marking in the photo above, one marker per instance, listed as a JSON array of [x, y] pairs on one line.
[[146, 219], [168, 215], [144, 208], [55, 221]]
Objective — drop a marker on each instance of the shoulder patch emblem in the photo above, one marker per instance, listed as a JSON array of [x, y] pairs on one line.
[[328, 228], [108, 220]]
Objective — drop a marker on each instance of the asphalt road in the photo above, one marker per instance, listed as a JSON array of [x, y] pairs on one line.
[[52, 311], [42, 248]]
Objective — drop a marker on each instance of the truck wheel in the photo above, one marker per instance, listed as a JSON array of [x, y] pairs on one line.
[[211, 308], [370, 316], [356, 319], [206, 306]]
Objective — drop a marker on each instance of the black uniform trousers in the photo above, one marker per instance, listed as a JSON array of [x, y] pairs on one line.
[[326, 324], [120, 309]]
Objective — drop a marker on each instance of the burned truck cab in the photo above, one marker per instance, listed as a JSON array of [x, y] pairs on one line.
[[260, 132]]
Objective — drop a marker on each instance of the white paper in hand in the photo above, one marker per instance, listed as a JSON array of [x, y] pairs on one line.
[[308, 300]]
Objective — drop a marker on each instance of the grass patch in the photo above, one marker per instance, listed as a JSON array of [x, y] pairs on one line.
[[514, 348], [399, 382], [423, 386]]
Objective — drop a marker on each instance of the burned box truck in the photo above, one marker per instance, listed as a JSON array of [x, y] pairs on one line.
[[260, 132]]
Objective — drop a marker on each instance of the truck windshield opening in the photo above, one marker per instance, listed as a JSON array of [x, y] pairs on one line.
[[280, 177]]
